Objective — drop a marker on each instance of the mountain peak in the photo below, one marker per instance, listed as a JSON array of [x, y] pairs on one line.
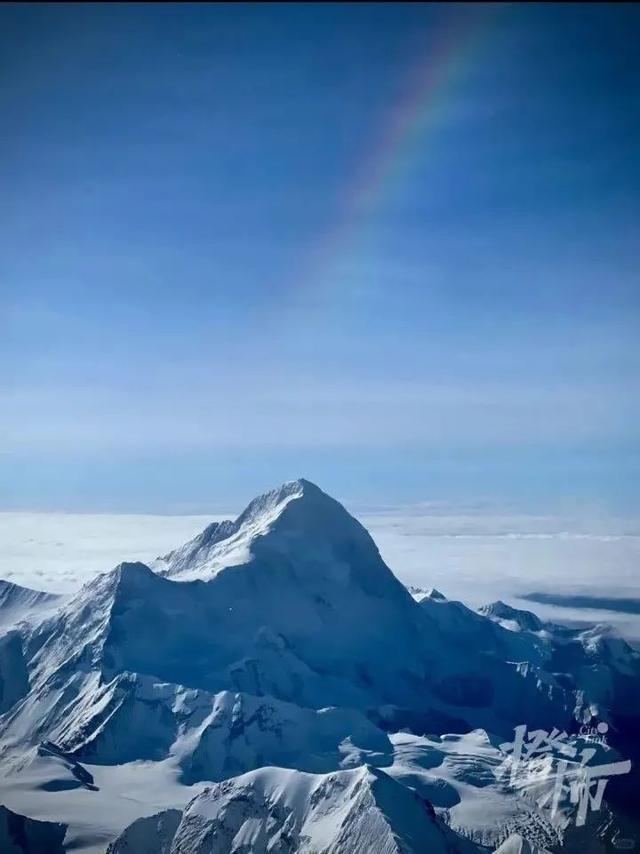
[[302, 485], [277, 809], [278, 498], [499, 610], [294, 517]]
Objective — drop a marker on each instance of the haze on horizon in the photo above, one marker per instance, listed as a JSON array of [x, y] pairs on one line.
[[392, 248]]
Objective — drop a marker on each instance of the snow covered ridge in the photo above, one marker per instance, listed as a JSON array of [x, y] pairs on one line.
[[281, 640], [273, 809]]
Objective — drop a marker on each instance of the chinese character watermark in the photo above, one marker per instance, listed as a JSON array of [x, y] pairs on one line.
[[561, 761]]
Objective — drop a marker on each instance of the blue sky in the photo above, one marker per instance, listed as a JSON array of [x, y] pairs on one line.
[[194, 309]]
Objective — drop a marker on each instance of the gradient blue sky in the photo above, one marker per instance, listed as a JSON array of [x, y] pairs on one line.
[[176, 335]]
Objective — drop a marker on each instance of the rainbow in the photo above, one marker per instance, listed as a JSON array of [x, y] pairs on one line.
[[406, 132]]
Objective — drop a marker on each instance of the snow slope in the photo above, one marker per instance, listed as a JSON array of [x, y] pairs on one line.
[[18, 604], [210, 737], [273, 810], [443, 793]]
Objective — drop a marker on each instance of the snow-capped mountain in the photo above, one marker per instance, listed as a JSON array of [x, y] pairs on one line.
[[298, 604], [297, 519], [20, 604], [280, 639], [440, 794], [272, 809], [208, 736]]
